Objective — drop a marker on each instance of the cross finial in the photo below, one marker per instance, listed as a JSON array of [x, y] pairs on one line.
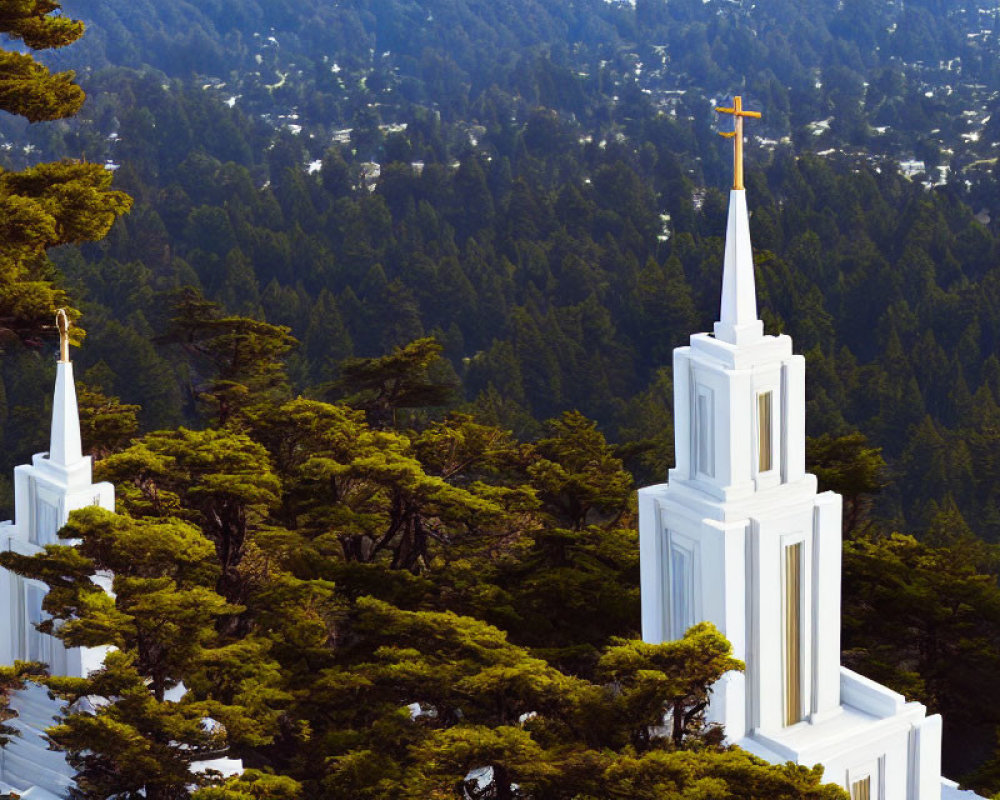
[[62, 323], [737, 136]]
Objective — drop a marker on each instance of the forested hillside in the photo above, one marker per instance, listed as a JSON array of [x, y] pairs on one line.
[[537, 192], [558, 239]]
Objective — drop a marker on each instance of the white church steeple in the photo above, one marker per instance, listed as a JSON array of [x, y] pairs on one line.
[[45, 492], [739, 536]]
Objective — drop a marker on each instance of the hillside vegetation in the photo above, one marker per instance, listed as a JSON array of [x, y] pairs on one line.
[[417, 270]]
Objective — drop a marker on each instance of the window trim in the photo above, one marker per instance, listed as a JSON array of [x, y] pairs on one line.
[[704, 431], [673, 547], [871, 771], [680, 554]]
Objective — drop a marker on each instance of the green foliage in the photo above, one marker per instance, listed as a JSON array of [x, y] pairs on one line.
[[540, 236], [546, 593], [700, 774], [236, 361], [220, 480], [576, 473], [252, 785], [403, 379], [106, 424], [367, 492], [162, 623], [846, 465], [675, 676], [135, 742], [240, 570], [484, 702], [30, 89], [46, 205], [924, 619]]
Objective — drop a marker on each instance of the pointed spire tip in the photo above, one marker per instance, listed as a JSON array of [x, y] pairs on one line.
[[738, 322]]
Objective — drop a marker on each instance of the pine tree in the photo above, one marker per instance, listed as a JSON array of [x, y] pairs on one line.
[[327, 342], [236, 361], [924, 619], [848, 466], [217, 479], [404, 379], [106, 424], [578, 477], [252, 784], [425, 698], [646, 430], [672, 676], [159, 628], [51, 204]]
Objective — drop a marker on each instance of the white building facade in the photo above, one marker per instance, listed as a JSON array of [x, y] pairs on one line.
[[740, 536]]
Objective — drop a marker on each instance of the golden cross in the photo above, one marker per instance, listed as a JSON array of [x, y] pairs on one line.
[[62, 323], [737, 136]]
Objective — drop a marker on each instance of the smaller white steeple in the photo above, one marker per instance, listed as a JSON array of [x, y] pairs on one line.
[[60, 480], [64, 440]]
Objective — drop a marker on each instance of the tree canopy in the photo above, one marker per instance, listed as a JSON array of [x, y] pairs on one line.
[[385, 345], [45, 205]]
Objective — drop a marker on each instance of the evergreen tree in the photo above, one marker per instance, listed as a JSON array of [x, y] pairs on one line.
[[846, 465], [327, 342], [46, 205], [159, 629], [457, 697], [578, 478], [404, 379], [235, 361], [252, 785], [924, 619], [219, 480], [106, 424]]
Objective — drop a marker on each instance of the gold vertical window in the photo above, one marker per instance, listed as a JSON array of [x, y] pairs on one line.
[[793, 633], [764, 431], [861, 790]]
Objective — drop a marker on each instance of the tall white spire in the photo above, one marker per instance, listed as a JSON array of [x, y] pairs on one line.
[[65, 448], [738, 322]]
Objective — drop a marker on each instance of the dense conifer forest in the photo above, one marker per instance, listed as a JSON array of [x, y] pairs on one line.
[[382, 349]]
